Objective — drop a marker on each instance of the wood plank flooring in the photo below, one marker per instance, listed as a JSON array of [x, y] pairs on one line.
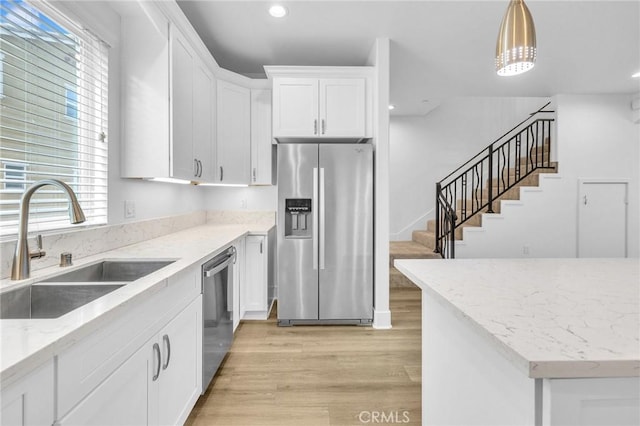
[[320, 375]]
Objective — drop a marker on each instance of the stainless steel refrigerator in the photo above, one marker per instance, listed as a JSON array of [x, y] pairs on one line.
[[325, 233]]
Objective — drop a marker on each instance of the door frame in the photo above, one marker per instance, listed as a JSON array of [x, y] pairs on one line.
[[605, 181]]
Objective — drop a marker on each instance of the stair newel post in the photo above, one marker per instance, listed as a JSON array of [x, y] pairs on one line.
[[490, 186], [437, 242]]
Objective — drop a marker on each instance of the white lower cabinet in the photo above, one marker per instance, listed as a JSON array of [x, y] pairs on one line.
[[178, 379], [238, 278], [256, 291], [30, 400], [120, 400], [157, 385]]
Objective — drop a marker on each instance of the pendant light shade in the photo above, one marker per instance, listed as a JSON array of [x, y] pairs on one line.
[[516, 46]]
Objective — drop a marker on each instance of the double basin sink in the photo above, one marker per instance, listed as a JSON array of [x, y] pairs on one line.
[[56, 296]]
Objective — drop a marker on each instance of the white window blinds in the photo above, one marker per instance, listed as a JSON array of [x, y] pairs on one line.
[[53, 122]]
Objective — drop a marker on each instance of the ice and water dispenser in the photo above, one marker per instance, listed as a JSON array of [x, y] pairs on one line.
[[297, 221]]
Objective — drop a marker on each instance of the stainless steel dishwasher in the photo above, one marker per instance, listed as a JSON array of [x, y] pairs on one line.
[[217, 312]]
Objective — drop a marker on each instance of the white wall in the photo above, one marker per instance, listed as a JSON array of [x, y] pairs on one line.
[[252, 198], [426, 149], [596, 139]]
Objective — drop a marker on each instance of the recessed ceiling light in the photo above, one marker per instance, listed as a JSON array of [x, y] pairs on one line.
[[278, 11], [392, 107], [636, 75]]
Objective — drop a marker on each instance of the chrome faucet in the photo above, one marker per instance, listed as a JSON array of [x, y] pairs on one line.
[[21, 267]]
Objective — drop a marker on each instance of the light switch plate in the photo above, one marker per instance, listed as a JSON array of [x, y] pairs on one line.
[[129, 209]]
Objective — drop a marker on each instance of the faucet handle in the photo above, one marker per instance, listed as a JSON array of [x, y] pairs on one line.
[[39, 253]]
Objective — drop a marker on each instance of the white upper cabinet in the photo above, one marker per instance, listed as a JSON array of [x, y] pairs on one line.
[[191, 113], [342, 107], [295, 107], [233, 133], [168, 101], [181, 101], [335, 108], [262, 170], [204, 89]]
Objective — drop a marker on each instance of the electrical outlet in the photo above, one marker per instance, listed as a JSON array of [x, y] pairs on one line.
[[525, 250], [243, 204], [129, 209]]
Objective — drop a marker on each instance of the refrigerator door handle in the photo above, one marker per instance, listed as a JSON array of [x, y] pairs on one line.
[[314, 215], [322, 219]]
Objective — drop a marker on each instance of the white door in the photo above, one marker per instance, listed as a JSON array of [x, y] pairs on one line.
[[254, 289], [233, 133], [602, 219], [342, 107], [182, 64], [180, 379], [203, 127], [295, 107], [261, 141], [119, 400]]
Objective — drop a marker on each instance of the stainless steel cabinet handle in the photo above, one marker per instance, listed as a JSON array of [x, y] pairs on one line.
[[322, 219], [156, 350], [254, 174], [221, 173], [314, 218], [315, 127], [261, 242], [167, 343], [323, 126]]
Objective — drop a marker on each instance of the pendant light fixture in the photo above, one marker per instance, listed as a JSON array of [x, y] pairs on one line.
[[516, 46]]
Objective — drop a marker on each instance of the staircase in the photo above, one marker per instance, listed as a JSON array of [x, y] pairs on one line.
[[516, 160]]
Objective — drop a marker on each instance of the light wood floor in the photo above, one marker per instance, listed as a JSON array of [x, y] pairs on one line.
[[320, 375]]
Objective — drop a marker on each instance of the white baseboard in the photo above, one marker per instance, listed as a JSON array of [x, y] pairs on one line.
[[381, 319], [418, 224]]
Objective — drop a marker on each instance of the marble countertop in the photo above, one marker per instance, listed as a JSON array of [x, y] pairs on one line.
[[27, 343], [552, 318]]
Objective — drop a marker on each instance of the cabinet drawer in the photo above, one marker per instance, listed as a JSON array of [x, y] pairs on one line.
[[85, 365]]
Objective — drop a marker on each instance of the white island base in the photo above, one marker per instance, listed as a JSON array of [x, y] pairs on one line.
[[472, 375]]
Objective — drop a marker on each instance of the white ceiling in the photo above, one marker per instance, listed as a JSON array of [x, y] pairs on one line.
[[439, 49]]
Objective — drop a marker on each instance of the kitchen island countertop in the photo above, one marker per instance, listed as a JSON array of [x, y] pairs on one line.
[[551, 318]]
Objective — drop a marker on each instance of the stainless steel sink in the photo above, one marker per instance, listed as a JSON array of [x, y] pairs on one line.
[[50, 301], [110, 270], [56, 296]]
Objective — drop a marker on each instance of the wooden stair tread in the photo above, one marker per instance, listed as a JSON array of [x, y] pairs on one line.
[[410, 250]]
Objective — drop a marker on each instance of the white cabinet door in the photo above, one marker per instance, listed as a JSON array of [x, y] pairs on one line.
[[319, 108], [295, 107], [238, 278], [342, 107], [203, 124], [254, 287], [30, 400], [121, 399], [144, 81], [233, 133], [261, 140], [180, 380], [181, 78]]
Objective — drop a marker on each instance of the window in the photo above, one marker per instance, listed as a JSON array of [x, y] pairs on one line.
[[53, 117], [14, 176], [71, 102]]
